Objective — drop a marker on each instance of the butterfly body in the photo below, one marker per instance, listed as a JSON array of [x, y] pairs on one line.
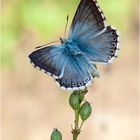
[[71, 47], [90, 41]]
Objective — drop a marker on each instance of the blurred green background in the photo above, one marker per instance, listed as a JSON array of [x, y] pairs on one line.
[[32, 104]]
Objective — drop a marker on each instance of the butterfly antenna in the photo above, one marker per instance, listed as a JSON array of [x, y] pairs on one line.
[[46, 44], [66, 26]]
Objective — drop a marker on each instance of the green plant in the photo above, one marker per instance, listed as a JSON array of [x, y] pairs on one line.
[[82, 111]]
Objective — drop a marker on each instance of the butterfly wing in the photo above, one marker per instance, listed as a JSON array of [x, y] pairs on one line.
[[103, 47], [88, 20], [50, 60], [71, 72], [77, 74], [98, 41]]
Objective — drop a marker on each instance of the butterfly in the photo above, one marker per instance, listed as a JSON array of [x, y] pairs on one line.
[[90, 41]]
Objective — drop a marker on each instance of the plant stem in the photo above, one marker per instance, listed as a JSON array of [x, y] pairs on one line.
[[81, 125], [75, 137], [76, 131], [77, 119]]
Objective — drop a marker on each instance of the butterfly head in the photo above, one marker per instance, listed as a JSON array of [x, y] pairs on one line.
[[63, 40]]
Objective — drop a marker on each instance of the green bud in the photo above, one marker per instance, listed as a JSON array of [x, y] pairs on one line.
[[81, 96], [56, 135], [85, 111], [74, 101]]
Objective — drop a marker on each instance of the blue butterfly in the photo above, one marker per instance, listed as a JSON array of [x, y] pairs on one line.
[[90, 41]]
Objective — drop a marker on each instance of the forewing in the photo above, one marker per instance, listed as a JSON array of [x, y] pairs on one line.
[[88, 20], [50, 60]]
